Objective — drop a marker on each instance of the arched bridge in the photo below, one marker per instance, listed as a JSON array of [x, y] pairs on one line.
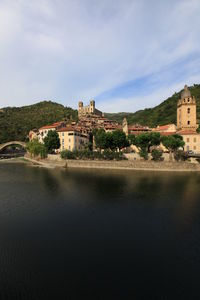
[[2, 146]]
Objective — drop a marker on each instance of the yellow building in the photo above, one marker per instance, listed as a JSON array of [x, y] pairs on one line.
[[186, 111], [186, 121], [192, 141], [72, 139]]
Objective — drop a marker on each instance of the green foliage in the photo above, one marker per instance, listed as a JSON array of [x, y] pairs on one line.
[[156, 155], [52, 141], [118, 140], [143, 153], [164, 113], [16, 122], [145, 140], [92, 155], [67, 154], [101, 139], [173, 142], [35, 148], [110, 140], [180, 155]]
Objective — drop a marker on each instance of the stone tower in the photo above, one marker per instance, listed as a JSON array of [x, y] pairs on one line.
[[186, 111], [125, 126], [92, 106]]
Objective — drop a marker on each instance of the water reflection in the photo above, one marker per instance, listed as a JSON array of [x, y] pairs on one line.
[[70, 233]]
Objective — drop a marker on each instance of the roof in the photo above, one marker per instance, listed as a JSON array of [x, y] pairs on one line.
[[187, 132], [185, 93], [68, 128], [54, 125], [48, 127], [163, 127], [167, 133]]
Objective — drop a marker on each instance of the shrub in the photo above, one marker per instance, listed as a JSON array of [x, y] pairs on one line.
[[156, 155], [180, 155], [144, 154], [87, 154], [67, 154]]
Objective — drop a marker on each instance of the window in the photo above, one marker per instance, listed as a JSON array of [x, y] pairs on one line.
[[194, 147], [188, 110], [69, 140], [188, 99], [69, 147], [195, 140], [70, 133], [188, 122], [188, 140], [63, 134]]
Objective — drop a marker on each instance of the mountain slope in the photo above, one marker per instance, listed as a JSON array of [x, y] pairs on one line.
[[16, 122], [164, 113]]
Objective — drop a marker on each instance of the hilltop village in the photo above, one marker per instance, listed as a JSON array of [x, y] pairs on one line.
[[76, 135]]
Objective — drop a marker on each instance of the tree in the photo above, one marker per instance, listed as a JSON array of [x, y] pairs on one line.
[[156, 155], [145, 141], [110, 140], [173, 143], [52, 141], [119, 140], [100, 138], [35, 148]]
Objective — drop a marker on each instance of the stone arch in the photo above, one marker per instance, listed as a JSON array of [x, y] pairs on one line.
[[2, 146]]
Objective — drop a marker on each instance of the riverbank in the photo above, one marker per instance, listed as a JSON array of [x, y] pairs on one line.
[[118, 165], [15, 160]]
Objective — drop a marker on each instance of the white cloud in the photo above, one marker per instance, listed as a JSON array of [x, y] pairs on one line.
[[70, 50]]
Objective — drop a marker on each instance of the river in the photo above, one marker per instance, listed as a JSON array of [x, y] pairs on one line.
[[95, 234]]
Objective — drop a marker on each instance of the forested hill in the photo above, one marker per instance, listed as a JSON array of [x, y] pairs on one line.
[[16, 122], [164, 113]]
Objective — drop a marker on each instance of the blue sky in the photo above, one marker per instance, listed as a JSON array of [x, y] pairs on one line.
[[125, 54]]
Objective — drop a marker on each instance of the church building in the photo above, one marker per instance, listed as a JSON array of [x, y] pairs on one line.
[[187, 121]]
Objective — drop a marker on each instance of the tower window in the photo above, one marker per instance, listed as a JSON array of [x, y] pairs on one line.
[[188, 122], [188, 110]]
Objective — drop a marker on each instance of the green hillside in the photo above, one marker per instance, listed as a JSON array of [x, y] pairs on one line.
[[164, 113], [16, 122]]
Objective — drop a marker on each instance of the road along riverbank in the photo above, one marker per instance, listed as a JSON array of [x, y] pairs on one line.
[[118, 165]]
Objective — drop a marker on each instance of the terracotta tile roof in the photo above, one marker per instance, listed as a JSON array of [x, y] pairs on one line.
[[163, 127], [54, 125], [68, 128], [167, 133], [186, 132], [47, 127]]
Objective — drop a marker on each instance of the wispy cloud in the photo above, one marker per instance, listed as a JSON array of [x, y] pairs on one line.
[[126, 54]]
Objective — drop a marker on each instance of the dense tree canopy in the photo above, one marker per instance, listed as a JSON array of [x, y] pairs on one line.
[[16, 122], [52, 141], [110, 140], [173, 142]]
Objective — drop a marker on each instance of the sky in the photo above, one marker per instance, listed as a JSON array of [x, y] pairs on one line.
[[125, 54]]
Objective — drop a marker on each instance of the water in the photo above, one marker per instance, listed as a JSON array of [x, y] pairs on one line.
[[94, 234]]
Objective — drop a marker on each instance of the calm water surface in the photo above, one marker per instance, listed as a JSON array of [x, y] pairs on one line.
[[94, 234]]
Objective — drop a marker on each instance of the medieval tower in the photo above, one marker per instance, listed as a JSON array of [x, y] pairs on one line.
[[186, 111]]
